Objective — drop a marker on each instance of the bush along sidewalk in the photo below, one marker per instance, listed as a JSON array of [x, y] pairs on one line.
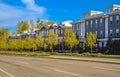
[[24, 53], [85, 54], [38, 54]]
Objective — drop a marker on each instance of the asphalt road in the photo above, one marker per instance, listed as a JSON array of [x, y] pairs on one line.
[[14, 66]]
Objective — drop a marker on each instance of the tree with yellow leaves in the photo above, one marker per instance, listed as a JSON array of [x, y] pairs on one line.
[[51, 39], [70, 39], [39, 41], [90, 40]]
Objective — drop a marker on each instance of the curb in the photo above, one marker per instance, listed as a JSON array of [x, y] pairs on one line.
[[85, 60]]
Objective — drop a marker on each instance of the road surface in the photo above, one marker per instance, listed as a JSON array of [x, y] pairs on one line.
[[15, 66]]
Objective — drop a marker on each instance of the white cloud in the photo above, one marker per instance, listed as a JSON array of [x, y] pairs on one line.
[[10, 15], [30, 4]]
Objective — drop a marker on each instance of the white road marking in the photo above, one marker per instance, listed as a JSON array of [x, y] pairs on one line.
[[62, 71], [107, 69], [6, 73]]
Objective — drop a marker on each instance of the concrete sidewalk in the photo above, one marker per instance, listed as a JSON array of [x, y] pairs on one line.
[[89, 59]]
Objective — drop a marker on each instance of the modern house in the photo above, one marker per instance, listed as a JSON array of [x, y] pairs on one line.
[[56, 28], [105, 25]]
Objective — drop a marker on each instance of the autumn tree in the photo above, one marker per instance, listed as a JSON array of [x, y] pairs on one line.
[[13, 44], [90, 40], [28, 43], [70, 39], [22, 26], [39, 40], [51, 39], [4, 33], [39, 23]]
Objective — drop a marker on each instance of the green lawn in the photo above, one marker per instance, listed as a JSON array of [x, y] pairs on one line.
[[111, 56]]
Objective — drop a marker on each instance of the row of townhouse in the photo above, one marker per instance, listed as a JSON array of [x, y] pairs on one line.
[[56, 28], [105, 25]]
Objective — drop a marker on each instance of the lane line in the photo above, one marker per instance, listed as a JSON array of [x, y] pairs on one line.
[[107, 69], [6, 73], [62, 71]]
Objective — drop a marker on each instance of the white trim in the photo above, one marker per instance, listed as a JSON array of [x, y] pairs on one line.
[[106, 27]]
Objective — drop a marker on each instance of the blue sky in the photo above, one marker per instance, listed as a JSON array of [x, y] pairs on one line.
[[12, 11]]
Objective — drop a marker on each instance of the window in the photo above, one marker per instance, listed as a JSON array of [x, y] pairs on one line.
[[117, 19], [87, 33], [101, 33], [96, 21], [111, 18], [86, 26], [117, 32], [91, 22], [86, 22], [101, 20], [96, 32], [111, 32], [77, 26]]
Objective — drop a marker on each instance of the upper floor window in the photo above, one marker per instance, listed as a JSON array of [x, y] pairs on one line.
[[91, 22], [111, 32], [96, 21], [86, 22], [101, 33], [117, 17], [117, 32], [87, 33], [77, 26], [111, 18], [96, 32], [101, 20]]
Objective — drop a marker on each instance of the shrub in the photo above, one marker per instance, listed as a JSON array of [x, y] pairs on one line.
[[96, 55], [24, 53]]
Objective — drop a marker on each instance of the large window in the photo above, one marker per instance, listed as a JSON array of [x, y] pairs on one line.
[[101, 33], [96, 21], [96, 32], [111, 32], [101, 20], [117, 32], [86, 24], [111, 19], [91, 23], [117, 19]]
